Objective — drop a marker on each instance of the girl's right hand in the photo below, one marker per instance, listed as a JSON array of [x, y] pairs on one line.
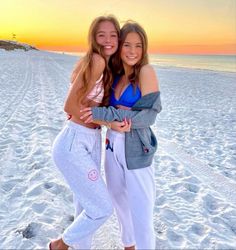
[[123, 126]]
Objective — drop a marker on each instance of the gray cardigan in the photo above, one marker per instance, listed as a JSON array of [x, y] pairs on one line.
[[140, 142]]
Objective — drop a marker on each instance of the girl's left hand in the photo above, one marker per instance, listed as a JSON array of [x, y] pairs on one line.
[[87, 115]]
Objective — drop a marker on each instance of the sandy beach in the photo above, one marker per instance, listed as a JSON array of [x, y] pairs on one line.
[[195, 163]]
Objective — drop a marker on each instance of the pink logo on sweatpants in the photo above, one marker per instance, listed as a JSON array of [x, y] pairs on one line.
[[93, 175]]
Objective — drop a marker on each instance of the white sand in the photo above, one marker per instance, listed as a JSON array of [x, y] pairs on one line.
[[195, 162]]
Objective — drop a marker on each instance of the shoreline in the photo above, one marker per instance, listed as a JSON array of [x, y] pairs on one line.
[[160, 64]]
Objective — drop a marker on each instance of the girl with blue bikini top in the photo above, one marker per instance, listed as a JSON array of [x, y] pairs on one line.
[[128, 97], [132, 190]]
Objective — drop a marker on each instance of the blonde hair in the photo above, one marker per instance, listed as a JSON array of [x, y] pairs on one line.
[[85, 71]]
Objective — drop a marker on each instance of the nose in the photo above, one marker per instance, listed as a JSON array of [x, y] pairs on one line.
[[107, 39], [132, 49]]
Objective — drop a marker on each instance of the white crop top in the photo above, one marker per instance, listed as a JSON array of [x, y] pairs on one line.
[[97, 93]]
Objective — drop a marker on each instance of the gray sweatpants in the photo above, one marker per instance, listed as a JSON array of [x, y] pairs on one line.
[[77, 154]]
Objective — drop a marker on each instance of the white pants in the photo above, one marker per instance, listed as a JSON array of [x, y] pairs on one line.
[[132, 193], [77, 154]]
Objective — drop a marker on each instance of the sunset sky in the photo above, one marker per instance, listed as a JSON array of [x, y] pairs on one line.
[[172, 26]]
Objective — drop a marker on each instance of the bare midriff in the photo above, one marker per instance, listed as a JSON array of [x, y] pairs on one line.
[[76, 119]]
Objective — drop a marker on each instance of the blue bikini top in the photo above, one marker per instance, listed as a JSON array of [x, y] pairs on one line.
[[128, 98]]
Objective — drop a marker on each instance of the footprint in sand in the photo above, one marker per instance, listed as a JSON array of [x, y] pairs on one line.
[[48, 185], [212, 205], [187, 195], [187, 191], [54, 188], [39, 207], [196, 232], [35, 190], [18, 150], [198, 229], [192, 179], [176, 186], [29, 231], [230, 219], [170, 216], [8, 186], [175, 238], [221, 225], [191, 187]]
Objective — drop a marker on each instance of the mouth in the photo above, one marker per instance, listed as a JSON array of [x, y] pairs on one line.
[[131, 57], [107, 47]]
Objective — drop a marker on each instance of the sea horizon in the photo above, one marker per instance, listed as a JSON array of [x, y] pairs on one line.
[[215, 62]]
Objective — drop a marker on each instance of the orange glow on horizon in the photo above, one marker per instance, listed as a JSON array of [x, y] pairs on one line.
[[173, 27], [221, 49], [224, 49]]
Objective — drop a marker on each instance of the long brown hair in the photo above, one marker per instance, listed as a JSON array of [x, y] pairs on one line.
[[85, 70], [128, 27]]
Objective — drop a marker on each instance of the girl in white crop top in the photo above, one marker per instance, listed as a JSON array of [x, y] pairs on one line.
[[77, 148], [97, 93]]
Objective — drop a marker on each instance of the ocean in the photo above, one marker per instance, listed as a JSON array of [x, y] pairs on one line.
[[209, 62], [225, 63]]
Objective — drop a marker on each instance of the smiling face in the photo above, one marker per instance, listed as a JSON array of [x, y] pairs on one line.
[[131, 50], [107, 38]]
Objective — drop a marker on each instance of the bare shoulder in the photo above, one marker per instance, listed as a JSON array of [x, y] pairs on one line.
[[98, 61], [76, 70], [147, 69], [148, 79]]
